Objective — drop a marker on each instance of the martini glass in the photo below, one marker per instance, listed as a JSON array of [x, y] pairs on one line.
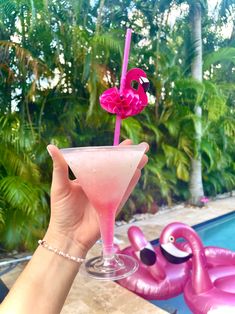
[[104, 174]]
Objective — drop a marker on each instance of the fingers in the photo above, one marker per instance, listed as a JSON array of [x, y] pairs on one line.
[[60, 167], [126, 142], [129, 142], [143, 162], [144, 159], [146, 146], [137, 174], [130, 188]]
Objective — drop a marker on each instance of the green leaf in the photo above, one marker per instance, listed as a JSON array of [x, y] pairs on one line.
[[182, 172], [131, 128], [222, 54], [178, 159], [19, 194]]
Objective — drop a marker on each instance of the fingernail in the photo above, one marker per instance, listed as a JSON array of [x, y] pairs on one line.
[[48, 149]]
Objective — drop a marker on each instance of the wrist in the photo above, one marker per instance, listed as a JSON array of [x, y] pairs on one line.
[[65, 243]]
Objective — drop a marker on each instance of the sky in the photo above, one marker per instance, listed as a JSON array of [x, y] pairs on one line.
[[212, 4]]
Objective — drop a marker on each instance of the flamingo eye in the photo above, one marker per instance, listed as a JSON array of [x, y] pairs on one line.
[[171, 239], [134, 84]]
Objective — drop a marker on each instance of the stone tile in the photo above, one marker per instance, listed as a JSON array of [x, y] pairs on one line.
[[74, 308], [10, 277], [89, 296]]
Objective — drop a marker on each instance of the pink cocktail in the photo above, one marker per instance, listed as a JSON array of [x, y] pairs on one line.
[[105, 173]]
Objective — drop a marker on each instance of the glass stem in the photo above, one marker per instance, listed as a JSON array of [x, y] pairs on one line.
[[107, 222]]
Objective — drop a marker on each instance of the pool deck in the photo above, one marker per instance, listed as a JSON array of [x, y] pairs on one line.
[[88, 296]]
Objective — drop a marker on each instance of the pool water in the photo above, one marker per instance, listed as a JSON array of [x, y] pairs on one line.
[[215, 232], [218, 232]]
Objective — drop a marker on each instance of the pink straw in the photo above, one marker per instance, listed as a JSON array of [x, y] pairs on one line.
[[122, 84]]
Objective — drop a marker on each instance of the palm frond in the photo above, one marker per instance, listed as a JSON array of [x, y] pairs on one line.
[[189, 91], [228, 124], [213, 183], [21, 230], [25, 58], [186, 144], [226, 7], [19, 164], [158, 134], [19, 193], [208, 149], [178, 159], [131, 128], [108, 41], [222, 54], [214, 101]]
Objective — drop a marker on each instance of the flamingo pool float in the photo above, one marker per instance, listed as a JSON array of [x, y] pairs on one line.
[[156, 278], [207, 290], [215, 256]]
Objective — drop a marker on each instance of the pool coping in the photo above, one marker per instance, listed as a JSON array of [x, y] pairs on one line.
[[201, 224]]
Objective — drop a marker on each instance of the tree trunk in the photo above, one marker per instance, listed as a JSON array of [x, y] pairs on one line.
[[195, 185]]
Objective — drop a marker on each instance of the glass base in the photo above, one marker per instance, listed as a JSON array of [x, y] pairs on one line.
[[115, 268]]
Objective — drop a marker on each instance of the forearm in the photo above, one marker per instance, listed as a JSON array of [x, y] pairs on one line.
[[44, 284]]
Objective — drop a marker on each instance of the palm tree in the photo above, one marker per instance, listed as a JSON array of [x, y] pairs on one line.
[[195, 185], [195, 13]]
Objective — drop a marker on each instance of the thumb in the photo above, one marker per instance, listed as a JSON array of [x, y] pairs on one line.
[[60, 167]]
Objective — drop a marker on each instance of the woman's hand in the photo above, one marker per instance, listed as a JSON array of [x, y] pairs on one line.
[[73, 218]]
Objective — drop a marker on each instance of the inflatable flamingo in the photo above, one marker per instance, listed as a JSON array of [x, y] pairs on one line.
[[156, 278], [207, 290], [215, 256], [131, 101]]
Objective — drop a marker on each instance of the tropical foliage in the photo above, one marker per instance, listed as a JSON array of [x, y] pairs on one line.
[[56, 58]]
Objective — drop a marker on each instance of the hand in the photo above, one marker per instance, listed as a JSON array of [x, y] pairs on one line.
[[72, 215]]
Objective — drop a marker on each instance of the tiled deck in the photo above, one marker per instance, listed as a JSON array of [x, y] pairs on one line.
[[89, 296]]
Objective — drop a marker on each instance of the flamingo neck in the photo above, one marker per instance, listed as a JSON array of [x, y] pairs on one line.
[[157, 271], [141, 92], [201, 281]]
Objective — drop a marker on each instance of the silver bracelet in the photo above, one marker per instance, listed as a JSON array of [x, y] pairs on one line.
[[44, 244]]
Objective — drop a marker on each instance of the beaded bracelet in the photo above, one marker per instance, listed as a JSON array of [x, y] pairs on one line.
[[44, 244]]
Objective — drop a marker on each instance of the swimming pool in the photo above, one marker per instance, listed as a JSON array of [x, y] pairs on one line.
[[215, 232]]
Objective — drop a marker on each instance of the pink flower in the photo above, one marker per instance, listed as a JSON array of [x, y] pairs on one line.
[[204, 200], [132, 100], [125, 105]]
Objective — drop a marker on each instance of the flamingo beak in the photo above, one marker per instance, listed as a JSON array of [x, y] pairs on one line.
[[144, 83], [173, 254], [147, 255]]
